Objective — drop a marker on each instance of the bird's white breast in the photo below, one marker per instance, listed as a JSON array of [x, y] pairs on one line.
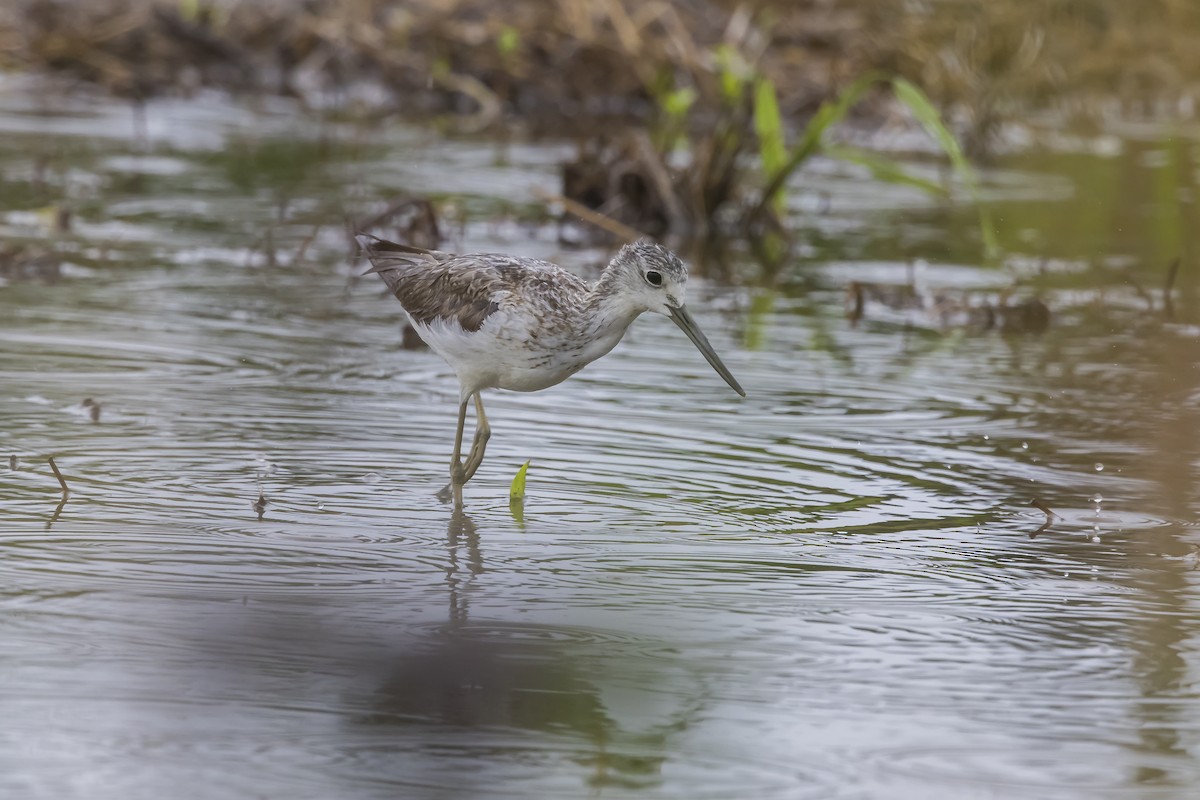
[[511, 351]]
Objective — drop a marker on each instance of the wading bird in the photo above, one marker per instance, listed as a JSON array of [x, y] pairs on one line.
[[504, 322]]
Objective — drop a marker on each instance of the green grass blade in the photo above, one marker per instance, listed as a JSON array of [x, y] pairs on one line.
[[931, 120], [884, 169], [828, 115], [768, 126], [733, 72]]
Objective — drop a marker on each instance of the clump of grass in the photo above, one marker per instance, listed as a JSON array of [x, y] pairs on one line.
[[778, 168], [732, 176]]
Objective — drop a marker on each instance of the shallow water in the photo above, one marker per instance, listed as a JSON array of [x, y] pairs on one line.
[[833, 588]]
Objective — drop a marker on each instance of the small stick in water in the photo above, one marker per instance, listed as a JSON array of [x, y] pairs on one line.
[[1168, 306], [1050, 516], [61, 481], [1040, 506]]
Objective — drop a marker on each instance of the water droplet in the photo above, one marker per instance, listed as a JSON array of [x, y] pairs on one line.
[[1096, 539], [372, 477], [1097, 498], [1024, 445], [320, 506], [1099, 467], [986, 437]]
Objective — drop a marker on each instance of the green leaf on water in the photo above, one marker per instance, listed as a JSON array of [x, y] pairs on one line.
[[517, 491]]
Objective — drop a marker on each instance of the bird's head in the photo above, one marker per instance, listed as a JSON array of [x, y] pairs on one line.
[[649, 277]]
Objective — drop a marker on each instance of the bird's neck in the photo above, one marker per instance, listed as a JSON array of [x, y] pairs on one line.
[[608, 313]]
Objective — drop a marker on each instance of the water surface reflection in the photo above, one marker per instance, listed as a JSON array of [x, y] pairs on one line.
[[828, 590]]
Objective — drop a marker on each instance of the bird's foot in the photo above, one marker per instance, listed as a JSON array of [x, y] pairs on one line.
[[458, 477], [451, 491]]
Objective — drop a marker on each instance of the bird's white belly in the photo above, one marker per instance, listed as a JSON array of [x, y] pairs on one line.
[[494, 357]]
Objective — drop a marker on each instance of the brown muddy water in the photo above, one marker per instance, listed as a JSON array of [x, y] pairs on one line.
[[827, 590]]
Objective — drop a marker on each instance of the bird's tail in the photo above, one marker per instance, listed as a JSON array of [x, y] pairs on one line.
[[390, 260]]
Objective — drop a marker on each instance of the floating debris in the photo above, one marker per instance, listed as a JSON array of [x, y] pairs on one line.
[[260, 505], [29, 263], [944, 310]]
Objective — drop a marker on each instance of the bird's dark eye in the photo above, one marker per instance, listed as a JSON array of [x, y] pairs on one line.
[[654, 278]]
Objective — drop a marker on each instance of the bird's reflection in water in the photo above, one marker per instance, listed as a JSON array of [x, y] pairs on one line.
[[470, 682], [461, 535]]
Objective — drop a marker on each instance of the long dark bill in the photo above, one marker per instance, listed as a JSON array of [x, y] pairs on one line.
[[683, 319]]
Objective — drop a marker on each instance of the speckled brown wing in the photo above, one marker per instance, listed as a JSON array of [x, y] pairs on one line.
[[433, 285]]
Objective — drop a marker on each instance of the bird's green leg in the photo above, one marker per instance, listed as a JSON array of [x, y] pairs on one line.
[[458, 475], [483, 432]]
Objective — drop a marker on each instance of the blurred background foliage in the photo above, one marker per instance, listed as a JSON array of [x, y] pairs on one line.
[[691, 115], [572, 61]]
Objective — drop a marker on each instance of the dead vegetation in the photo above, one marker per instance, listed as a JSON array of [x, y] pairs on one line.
[[662, 95], [577, 60]]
